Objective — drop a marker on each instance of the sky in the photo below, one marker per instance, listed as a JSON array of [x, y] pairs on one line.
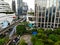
[[29, 2]]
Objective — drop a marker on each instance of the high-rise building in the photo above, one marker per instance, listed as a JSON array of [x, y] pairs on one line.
[[13, 5], [24, 8], [19, 7], [47, 13]]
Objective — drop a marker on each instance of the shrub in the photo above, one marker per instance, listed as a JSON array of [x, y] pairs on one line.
[[53, 37]]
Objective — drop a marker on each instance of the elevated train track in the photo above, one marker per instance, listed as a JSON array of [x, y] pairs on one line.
[[10, 26]]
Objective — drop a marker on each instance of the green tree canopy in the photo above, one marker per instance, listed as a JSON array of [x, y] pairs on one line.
[[20, 29]]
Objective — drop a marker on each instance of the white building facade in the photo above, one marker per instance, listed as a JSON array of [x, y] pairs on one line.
[[7, 16], [47, 13]]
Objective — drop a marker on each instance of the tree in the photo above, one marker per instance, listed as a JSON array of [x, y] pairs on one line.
[[53, 37], [2, 41], [57, 43], [22, 42], [49, 42], [48, 31], [57, 31], [31, 13], [20, 29], [39, 42], [33, 39], [40, 30]]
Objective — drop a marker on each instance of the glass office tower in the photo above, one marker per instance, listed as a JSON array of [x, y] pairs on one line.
[[47, 13], [19, 7]]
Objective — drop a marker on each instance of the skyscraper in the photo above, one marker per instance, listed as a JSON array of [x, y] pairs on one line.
[[24, 8], [14, 6], [47, 13], [19, 7]]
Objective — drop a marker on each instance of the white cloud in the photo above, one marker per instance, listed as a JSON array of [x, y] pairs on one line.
[[30, 3]]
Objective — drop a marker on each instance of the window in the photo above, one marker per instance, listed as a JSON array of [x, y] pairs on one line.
[[53, 17], [54, 9], [42, 19], [46, 19], [39, 13], [55, 24], [45, 25], [39, 19], [59, 25], [42, 25], [43, 13], [56, 20], [48, 23], [52, 25], [38, 24], [57, 14], [59, 20], [49, 18]]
